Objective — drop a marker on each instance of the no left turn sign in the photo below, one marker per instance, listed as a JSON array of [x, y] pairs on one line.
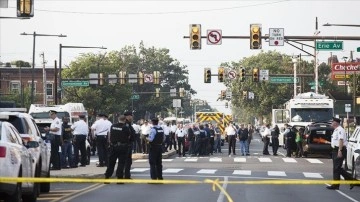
[[148, 78], [214, 37], [231, 74]]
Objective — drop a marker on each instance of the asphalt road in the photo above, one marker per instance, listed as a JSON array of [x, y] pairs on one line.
[[232, 171]]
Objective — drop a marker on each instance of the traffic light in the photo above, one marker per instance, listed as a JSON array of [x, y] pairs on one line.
[[122, 77], [223, 95], [157, 92], [25, 8], [141, 78], [156, 77], [221, 71], [101, 79], [181, 92], [226, 104], [245, 95], [255, 75], [207, 75], [195, 36], [242, 74], [255, 36]]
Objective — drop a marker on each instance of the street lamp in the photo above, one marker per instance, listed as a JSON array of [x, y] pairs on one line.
[[345, 58], [60, 58], [33, 59]]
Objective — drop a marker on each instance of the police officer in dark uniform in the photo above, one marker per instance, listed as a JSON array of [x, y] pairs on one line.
[[128, 123], [156, 138], [119, 148]]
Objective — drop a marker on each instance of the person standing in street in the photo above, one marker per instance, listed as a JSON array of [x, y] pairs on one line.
[[231, 134], [266, 139], [66, 148], [166, 129], [191, 138], [128, 123], [180, 137], [137, 140], [145, 131], [217, 139], [299, 142], [243, 135], [275, 139], [251, 133], [80, 130], [338, 143], [156, 138], [119, 138], [173, 129], [56, 140], [100, 130]]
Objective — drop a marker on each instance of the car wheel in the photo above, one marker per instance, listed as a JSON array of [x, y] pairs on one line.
[[32, 196], [16, 196], [45, 186]]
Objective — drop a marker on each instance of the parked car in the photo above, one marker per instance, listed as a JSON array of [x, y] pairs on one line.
[[317, 138], [353, 149], [29, 131], [16, 160]]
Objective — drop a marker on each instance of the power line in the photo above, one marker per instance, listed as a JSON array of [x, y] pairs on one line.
[[161, 13]]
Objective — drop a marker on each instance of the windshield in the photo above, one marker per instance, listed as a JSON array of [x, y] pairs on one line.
[[45, 115], [311, 115]]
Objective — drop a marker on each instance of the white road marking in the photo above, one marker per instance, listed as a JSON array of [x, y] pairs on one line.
[[242, 172], [313, 175], [277, 173], [172, 170], [289, 160], [206, 171], [239, 160], [265, 160], [167, 160], [139, 170], [215, 159], [314, 160], [140, 161], [224, 186], [191, 160]]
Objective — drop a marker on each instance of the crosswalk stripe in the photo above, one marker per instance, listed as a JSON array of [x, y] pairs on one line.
[[139, 170], [289, 160], [276, 173], [268, 160], [313, 175], [167, 160], [206, 171], [239, 160], [314, 160], [140, 160], [242, 172], [215, 159], [172, 170], [191, 160]]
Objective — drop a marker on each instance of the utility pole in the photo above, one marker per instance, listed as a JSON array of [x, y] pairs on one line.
[[315, 58], [44, 78]]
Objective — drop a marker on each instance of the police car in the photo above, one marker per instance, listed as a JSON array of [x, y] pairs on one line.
[[15, 161], [25, 124], [353, 153]]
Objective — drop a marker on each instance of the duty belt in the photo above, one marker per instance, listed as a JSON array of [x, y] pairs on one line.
[[117, 144]]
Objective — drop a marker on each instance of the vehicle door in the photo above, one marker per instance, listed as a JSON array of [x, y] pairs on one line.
[[10, 159], [25, 156], [353, 143], [44, 147]]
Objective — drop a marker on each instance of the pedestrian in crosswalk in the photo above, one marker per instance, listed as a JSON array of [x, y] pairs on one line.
[[243, 135], [180, 137], [266, 139], [217, 139], [128, 123], [231, 134]]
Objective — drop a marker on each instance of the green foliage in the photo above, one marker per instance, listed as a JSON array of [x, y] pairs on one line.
[[21, 63], [22, 99]]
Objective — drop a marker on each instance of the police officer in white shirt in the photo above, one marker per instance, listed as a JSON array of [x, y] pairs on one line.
[[338, 143], [80, 131], [173, 129], [56, 139], [137, 140], [145, 131], [100, 130], [230, 131], [180, 137]]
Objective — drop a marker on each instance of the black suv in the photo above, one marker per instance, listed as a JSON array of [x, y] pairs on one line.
[[317, 138]]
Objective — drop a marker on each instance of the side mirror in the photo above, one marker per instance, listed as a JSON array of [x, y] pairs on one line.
[[32, 144], [357, 151]]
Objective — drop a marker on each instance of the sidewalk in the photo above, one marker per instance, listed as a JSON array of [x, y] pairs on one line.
[[97, 172]]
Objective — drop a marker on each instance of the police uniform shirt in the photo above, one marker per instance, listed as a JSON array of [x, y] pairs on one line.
[[339, 133], [266, 133], [166, 129], [80, 128], [145, 129], [101, 127], [56, 123], [119, 132], [230, 130], [136, 128], [173, 128], [180, 132], [153, 133]]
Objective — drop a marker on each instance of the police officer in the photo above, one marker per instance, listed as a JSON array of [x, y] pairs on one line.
[[119, 148], [288, 134], [66, 148], [156, 138], [338, 143], [81, 131], [128, 123], [56, 139], [100, 131]]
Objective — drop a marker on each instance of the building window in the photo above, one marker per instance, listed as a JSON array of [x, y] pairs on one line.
[[49, 89], [15, 86], [30, 84]]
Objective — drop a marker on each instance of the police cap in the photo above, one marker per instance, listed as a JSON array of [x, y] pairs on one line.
[[82, 116], [53, 112], [155, 119], [128, 113], [336, 120]]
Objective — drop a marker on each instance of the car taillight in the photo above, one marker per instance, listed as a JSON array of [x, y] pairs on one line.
[[2, 152]]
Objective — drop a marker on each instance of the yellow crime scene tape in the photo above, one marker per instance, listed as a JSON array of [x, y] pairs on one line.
[[215, 183]]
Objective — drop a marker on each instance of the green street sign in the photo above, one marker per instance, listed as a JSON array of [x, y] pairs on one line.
[[75, 83], [358, 49], [321, 83], [283, 79], [329, 45], [135, 97]]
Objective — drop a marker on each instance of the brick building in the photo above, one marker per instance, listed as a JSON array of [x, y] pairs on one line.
[[18, 78]]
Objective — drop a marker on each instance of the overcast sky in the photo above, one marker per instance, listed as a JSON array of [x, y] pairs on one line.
[[114, 24]]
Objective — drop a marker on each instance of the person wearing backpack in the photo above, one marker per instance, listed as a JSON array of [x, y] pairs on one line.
[[243, 135]]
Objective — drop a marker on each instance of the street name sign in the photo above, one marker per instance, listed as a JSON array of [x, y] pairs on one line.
[[329, 45], [276, 36], [283, 80], [321, 83], [75, 83], [135, 96]]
